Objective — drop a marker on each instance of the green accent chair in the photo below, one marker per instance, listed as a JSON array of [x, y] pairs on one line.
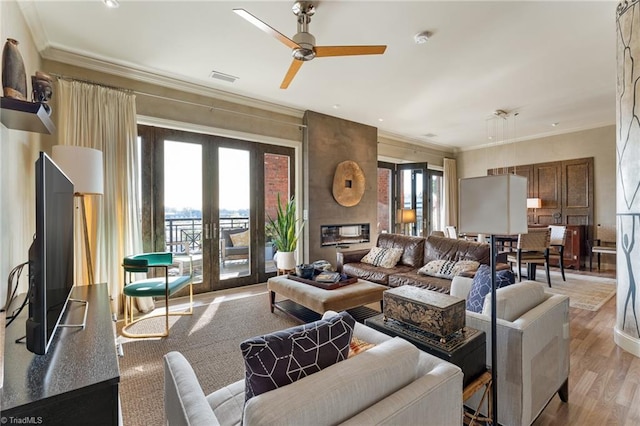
[[152, 287]]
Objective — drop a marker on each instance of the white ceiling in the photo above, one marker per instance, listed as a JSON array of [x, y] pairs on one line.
[[552, 62]]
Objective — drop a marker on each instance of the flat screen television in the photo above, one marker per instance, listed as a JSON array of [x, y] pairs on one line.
[[50, 254]]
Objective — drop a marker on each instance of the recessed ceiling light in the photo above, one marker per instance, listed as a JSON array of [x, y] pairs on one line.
[[112, 4], [555, 124], [336, 106], [422, 37], [380, 119]]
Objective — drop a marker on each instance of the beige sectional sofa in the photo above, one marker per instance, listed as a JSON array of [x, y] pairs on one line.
[[392, 383], [417, 252]]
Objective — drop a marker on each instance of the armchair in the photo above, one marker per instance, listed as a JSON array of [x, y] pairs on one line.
[[234, 244], [162, 286], [533, 347]]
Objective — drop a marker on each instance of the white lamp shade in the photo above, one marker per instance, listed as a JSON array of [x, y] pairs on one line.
[[82, 165], [495, 205], [534, 203]]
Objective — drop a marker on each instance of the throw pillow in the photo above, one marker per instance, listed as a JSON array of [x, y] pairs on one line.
[[357, 346], [481, 286], [278, 359], [464, 266], [385, 257], [241, 239], [448, 268], [438, 268]]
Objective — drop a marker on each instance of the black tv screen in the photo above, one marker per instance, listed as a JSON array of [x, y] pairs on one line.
[[50, 254]]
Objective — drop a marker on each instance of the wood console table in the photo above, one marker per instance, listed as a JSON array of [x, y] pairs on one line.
[[76, 381]]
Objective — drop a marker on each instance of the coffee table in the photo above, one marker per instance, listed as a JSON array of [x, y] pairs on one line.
[[319, 300]]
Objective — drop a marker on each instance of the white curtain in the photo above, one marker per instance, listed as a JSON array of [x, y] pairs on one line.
[[450, 192], [105, 119]]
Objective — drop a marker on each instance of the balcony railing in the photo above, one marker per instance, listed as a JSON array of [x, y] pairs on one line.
[[189, 231]]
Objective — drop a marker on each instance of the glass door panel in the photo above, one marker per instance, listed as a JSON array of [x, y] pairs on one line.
[[410, 216], [234, 212], [183, 205], [277, 173]]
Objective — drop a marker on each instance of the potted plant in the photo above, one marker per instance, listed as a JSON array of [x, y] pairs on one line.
[[284, 231]]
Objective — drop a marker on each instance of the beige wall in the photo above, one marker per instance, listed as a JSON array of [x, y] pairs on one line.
[[598, 143], [18, 153]]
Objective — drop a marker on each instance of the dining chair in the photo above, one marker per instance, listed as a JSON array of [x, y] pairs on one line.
[[451, 232], [604, 243], [557, 241], [532, 250]]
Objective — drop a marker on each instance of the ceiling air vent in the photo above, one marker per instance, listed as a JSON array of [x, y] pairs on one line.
[[222, 76]]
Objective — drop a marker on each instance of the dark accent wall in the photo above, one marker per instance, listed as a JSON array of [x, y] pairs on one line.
[[328, 142]]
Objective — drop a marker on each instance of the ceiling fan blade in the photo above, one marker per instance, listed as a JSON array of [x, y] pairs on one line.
[[348, 50], [266, 28], [293, 70]]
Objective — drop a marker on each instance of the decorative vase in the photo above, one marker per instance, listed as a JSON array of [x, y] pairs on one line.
[[14, 78], [285, 260]]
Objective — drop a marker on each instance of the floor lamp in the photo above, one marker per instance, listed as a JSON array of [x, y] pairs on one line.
[[84, 167], [494, 205]]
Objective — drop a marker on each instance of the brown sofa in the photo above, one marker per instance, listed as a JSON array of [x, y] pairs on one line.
[[418, 251]]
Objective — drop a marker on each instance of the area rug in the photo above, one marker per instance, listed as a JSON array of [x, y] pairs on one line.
[[209, 339], [584, 291]]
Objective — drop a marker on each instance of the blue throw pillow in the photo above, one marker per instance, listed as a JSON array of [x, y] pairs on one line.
[[281, 358], [482, 286]]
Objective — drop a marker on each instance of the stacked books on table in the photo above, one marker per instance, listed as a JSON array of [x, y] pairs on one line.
[[328, 277]]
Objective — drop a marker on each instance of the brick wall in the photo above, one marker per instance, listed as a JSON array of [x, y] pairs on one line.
[[276, 181], [384, 182]]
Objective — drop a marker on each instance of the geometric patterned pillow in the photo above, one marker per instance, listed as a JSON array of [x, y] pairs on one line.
[[384, 257], [482, 286], [278, 359]]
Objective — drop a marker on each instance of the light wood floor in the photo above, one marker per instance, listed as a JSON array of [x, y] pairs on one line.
[[604, 380]]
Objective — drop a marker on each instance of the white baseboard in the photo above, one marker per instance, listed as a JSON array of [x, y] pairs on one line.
[[626, 342]]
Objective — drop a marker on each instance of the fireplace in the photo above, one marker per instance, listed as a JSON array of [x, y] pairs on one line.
[[334, 235]]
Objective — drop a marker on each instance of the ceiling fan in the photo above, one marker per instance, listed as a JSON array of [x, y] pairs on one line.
[[303, 44]]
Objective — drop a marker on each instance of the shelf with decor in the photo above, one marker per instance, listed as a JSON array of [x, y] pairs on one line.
[[24, 115]]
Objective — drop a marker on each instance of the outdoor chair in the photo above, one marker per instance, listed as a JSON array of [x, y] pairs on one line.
[[557, 241], [532, 250], [604, 243], [234, 244], [161, 286]]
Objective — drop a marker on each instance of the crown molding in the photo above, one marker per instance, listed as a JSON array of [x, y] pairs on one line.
[[121, 69], [536, 136], [413, 141]]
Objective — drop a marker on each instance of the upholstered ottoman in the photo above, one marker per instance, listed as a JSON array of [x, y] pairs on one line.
[[320, 300]]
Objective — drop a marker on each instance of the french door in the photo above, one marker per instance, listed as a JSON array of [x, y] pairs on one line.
[[207, 200], [410, 199]]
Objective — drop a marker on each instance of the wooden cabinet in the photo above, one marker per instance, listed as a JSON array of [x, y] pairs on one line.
[[575, 248], [76, 381]]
